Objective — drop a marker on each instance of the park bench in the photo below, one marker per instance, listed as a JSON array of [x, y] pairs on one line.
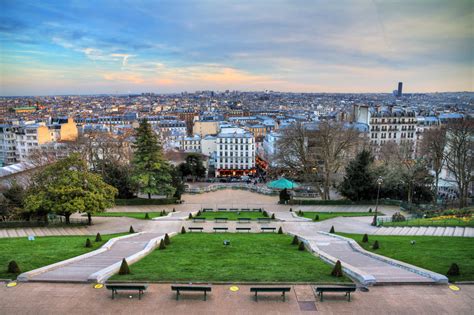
[[220, 229], [265, 229], [207, 209], [233, 209], [220, 220], [243, 229], [283, 290], [263, 220], [222, 209], [179, 288], [257, 209], [126, 287], [245, 209], [244, 220], [195, 228], [197, 219], [336, 288]]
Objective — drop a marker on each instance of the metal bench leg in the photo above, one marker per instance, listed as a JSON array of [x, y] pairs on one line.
[[283, 296], [140, 294], [321, 294], [205, 295], [349, 296], [113, 294], [256, 298], [177, 295]]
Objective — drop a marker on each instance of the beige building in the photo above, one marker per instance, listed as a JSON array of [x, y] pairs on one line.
[[204, 128]]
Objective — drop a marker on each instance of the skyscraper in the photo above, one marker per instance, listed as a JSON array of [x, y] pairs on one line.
[[400, 88]]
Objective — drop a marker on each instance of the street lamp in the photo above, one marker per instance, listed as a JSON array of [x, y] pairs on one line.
[[379, 183]]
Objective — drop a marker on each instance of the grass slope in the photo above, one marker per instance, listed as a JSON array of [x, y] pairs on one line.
[[434, 253], [330, 215], [231, 215], [250, 257], [135, 215], [43, 251]]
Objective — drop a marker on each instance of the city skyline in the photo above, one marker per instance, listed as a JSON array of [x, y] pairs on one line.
[[319, 46]]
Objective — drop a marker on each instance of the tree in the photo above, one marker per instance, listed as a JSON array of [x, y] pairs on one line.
[[193, 166], [177, 182], [284, 195], [152, 173], [432, 149], [67, 186], [460, 155], [358, 184], [12, 203], [118, 175]]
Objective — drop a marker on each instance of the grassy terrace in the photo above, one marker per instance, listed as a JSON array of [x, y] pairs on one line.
[[135, 215], [434, 253], [43, 251], [433, 222], [250, 257], [330, 215], [231, 215]]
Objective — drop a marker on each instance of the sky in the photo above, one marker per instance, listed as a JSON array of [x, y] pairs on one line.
[[91, 47]]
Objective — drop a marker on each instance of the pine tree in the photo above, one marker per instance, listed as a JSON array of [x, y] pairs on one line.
[[124, 269], [152, 172], [98, 238], [359, 182]]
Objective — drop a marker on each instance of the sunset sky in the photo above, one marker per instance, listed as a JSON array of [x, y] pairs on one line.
[[89, 47]]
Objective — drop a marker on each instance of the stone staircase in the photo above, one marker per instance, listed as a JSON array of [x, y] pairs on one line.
[[426, 231]]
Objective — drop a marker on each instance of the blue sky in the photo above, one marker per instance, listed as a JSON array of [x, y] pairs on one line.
[[86, 47]]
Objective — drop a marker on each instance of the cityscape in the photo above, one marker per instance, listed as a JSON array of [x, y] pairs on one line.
[[198, 157]]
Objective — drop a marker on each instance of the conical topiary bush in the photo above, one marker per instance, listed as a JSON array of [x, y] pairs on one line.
[[98, 237], [190, 216], [376, 245], [337, 271], [453, 270], [131, 229], [147, 217], [301, 246], [88, 243], [316, 217], [332, 230], [162, 244], [167, 239], [13, 267], [295, 240], [183, 230], [365, 238], [280, 230], [124, 269], [273, 216]]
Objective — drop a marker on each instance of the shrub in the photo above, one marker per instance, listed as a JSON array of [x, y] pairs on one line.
[[365, 238], [374, 221], [332, 230], [98, 238], [273, 216], [162, 244], [13, 267], [131, 229], [280, 230], [301, 246], [124, 269], [174, 210], [337, 271], [265, 213], [183, 230], [295, 240], [316, 217], [147, 217], [88, 243], [376, 245], [190, 216], [398, 217], [370, 210], [167, 239], [291, 209], [453, 270], [199, 213], [300, 213]]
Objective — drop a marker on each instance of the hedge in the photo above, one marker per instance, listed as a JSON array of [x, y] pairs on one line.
[[143, 201]]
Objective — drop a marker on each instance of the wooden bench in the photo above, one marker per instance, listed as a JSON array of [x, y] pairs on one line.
[[195, 228], [265, 229], [115, 287], [243, 229], [221, 220], [263, 220], [283, 290], [336, 288], [243, 220], [179, 288], [220, 229], [197, 219]]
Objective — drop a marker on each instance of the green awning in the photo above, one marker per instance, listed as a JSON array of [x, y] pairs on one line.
[[282, 183]]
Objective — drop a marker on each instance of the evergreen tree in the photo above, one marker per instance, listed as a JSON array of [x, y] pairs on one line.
[[124, 269], [152, 172], [358, 183]]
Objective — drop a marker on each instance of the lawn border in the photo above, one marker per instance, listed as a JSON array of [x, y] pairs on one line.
[[438, 278]]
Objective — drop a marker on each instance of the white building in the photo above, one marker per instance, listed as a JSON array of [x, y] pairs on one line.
[[191, 144], [208, 145], [235, 153]]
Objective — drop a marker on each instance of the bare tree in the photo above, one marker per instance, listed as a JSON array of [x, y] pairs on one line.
[[432, 148], [460, 155]]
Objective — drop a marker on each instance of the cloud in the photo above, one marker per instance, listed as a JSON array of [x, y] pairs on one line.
[[126, 77]]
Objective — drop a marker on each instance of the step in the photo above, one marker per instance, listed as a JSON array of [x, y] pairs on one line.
[[439, 231], [421, 230], [458, 231], [430, 231], [448, 231], [468, 232]]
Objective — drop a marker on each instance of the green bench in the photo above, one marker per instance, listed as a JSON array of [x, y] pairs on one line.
[[283, 290], [195, 228], [220, 229], [263, 220], [220, 220], [126, 287], [244, 220], [197, 219], [335, 288], [179, 288], [266, 229], [239, 229]]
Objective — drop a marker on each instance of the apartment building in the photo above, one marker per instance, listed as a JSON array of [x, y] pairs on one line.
[[235, 153]]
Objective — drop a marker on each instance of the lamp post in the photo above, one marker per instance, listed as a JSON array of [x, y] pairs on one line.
[[379, 183]]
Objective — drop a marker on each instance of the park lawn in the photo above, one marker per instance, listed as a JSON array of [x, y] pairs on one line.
[[202, 257], [43, 251], [433, 222], [329, 215], [231, 215], [135, 215], [435, 253]]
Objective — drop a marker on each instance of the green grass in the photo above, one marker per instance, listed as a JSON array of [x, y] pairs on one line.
[[43, 251], [250, 258], [434, 253], [135, 215], [431, 222], [329, 215], [231, 215]]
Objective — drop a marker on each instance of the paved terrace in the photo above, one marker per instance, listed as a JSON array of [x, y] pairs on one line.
[[55, 298]]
